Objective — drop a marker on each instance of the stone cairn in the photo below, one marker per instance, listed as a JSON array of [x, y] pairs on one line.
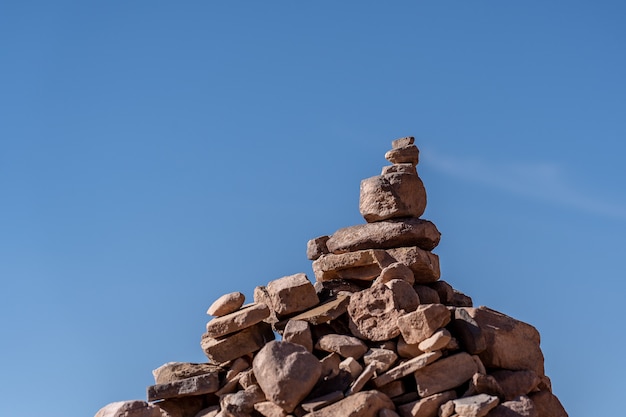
[[377, 335]]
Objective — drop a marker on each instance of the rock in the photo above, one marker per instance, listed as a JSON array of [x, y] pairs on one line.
[[316, 247], [461, 300], [182, 407], [352, 366], [238, 320], [323, 401], [286, 373], [133, 408], [299, 332], [329, 290], [515, 383], [422, 323], [269, 409], [401, 168], [261, 296], [196, 385], [510, 344], [241, 403], [444, 290], [395, 271], [520, 407], [402, 142], [424, 264], [226, 304], [175, 371], [292, 294], [364, 265], [362, 379], [210, 411], [385, 412], [330, 364], [393, 389], [445, 374], [361, 404], [329, 310], [374, 314], [547, 404], [390, 196], [467, 332], [386, 234], [407, 350], [484, 384], [237, 344], [404, 295], [381, 359], [427, 406], [346, 346], [475, 406], [404, 155], [437, 341], [406, 368], [426, 294]]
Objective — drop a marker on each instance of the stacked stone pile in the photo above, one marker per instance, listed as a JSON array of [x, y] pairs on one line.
[[377, 335]]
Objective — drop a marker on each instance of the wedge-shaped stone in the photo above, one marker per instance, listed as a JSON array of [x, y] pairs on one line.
[[238, 320], [408, 154], [484, 384], [468, 332], [292, 294], [424, 264], [361, 380], [346, 346], [445, 374], [404, 295], [475, 406], [395, 271], [519, 407], [437, 341], [515, 383], [406, 368], [547, 404], [426, 407], [364, 265], [286, 373], [237, 344], [361, 404], [299, 332], [422, 323], [385, 235], [390, 196], [401, 168], [133, 408], [330, 310], [381, 359], [374, 313], [175, 371], [316, 247], [196, 385], [226, 304], [510, 343]]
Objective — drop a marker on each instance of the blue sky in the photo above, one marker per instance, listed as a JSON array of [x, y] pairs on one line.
[[156, 155]]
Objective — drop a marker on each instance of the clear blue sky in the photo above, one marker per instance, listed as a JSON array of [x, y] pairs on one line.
[[155, 155]]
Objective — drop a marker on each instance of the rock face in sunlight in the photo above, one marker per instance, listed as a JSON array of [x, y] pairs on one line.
[[377, 335]]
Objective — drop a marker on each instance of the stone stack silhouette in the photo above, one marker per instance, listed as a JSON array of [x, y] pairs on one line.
[[377, 335]]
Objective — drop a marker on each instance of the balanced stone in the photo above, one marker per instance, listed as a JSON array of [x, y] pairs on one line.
[[391, 196], [196, 385], [237, 344], [175, 371], [404, 155], [227, 303], [424, 264], [422, 323], [346, 346], [238, 320], [292, 294]]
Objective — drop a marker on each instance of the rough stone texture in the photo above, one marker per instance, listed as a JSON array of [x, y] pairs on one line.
[[467, 332], [406, 368], [352, 366], [286, 373], [385, 235], [475, 406], [385, 412], [520, 407], [361, 404], [226, 304], [316, 247], [241, 403], [133, 408], [323, 401], [445, 374], [401, 168], [362, 379], [511, 344], [424, 264], [407, 350], [329, 310], [515, 383], [196, 385], [364, 265], [422, 323], [175, 371], [292, 294], [238, 320], [547, 404], [269, 409], [238, 344], [403, 155], [404, 295], [437, 341], [346, 346], [210, 411], [427, 406], [395, 271], [382, 359], [374, 314], [390, 196], [299, 332], [182, 407], [444, 290], [402, 142], [484, 384], [426, 294]]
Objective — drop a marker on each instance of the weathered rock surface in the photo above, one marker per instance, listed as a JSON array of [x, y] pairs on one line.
[[520, 407], [133, 408], [475, 406], [515, 383], [175, 371], [299, 332], [238, 344], [374, 314], [547, 404], [424, 264], [408, 154], [406, 368], [323, 313], [392, 195], [316, 247], [237, 320], [395, 271], [291, 294], [346, 346], [364, 265], [196, 385], [445, 374], [417, 326], [226, 304], [361, 404]]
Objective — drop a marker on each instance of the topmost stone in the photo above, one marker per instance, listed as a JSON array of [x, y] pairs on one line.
[[402, 142], [405, 155]]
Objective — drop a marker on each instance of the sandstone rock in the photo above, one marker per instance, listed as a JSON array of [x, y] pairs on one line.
[[444, 290], [385, 412], [323, 401], [520, 407], [515, 383], [237, 344], [292, 294], [402, 142], [426, 294], [316, 247], [247, 379], [261, 296], [427, 406], [404, 295], [547, 404], [286, 373], [445, 374], [467, 332], [406, 368], [362, 379], [329, 310], [475, 406], [395, 271], [330, 364], [437, 341], [238, 320], [390, 196], [364, 265], [182, 407], [400, 168], [237, 366], [374, 314], [361, 404], [422, 323], [226, 304], [424, 264], [241, 403], [174, 371], [196, 385], [210, 411], [461, 300], [329, 290], [407, 350], [299, 332], [381, 359], [385, 235], [133, 408], [352, 366], [511, 344], [346, 346], [403, 155], [269, 409], [484, 384], [393, 389]]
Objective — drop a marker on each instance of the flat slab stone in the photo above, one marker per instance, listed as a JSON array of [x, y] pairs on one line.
[[406, 368], [316, 247], [227, 303], [323, 313], [346, 346], [237, 344], [363, 265], [424, 264], [196, 385], [291, 294], [175, 371], [238, 320], [361, 404], [323, 401], [408, 154], [520, 407], [402, 142], [391, 196], [385, 235], [445, 374], [426, 407], [475, 405]]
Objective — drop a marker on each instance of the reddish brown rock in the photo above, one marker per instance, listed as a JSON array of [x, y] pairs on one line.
[[196, 385], [346, 346], [316, 247], [381, 359], [269, 409], [404, 295], [329, 310], [422, 323], [437, 341], [427, 406], [291, 294], [468, 332], [374, 314], [226, 304], [515, 383], [445, 374], [286, 373], [547, 404], [299, 332], [408, 154], [361, 404], [390, 196], [475, 405], [395, 271], [361, 380], [323, 401], [407, 350], [238, 320], [402, 142], [400, 168], [426, 294], [406, 368], [364, 265], [484, 384], [520, 407], [237, 344], [424, 264], [385, 235], [175, 371], [134, 408]]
